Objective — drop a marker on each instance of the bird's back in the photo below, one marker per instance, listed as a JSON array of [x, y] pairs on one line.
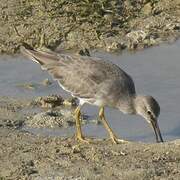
[[85, 77]]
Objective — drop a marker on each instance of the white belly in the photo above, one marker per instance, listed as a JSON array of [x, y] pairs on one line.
[[83, 101]]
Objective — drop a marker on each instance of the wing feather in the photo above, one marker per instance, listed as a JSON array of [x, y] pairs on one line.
[[83, 76]]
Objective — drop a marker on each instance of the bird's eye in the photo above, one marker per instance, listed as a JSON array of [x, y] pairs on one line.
[[149, 112]]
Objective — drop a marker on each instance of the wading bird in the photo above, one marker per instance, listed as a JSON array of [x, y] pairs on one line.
[[97, 82]]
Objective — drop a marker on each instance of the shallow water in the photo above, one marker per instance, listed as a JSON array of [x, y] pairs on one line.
[[156, 72]]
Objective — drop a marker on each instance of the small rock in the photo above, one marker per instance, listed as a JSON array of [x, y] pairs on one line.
[[46, 82], [30, 163], [27, 86], [76, 149], [52, 119], [45, 119], [84, 52], [50, 101], [136, 36], [147, 9], [70, 102]]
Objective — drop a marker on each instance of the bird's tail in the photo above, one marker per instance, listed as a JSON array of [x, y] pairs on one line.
[[41, 57]]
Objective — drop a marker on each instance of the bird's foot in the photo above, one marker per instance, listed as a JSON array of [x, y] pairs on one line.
[[116, 140], [83, 139]]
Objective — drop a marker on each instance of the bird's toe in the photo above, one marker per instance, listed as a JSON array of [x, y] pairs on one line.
[[84, 140], [116, 140]]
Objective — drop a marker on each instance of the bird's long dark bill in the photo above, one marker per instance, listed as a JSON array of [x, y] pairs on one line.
[[157, 131]]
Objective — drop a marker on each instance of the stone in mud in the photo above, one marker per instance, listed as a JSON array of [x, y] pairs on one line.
[[136, 36], [50, 101], [53, 101], [46, 82], [29, 86], [147, 9], [56, 118], [71, 102], [51, 119], [84, 52], [112, 44]]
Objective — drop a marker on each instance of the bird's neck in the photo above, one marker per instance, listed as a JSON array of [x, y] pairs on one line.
[[127, 105], [137, 103]]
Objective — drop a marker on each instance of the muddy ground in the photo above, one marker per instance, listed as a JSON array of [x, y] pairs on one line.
[[110, 25], [24, 155]]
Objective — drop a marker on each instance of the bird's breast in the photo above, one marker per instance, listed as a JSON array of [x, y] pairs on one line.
[[126, 107]]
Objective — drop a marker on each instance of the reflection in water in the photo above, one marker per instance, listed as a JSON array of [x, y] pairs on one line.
[[156, 72]]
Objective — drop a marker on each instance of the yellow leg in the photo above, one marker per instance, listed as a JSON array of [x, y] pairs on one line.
[[106, 125], [79, 134]]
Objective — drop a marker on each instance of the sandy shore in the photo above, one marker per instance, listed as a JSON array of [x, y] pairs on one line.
[[24, 155]]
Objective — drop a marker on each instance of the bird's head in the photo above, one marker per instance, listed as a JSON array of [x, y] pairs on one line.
[[148, 107]]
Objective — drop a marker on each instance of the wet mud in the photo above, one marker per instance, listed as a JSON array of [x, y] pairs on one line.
[[109, 25]]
